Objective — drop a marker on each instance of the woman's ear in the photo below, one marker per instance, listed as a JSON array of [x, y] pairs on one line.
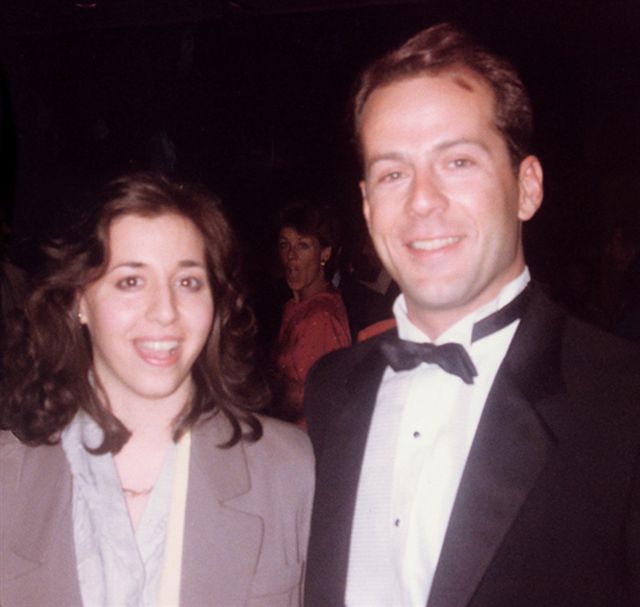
[[325, 255], [80, 308]]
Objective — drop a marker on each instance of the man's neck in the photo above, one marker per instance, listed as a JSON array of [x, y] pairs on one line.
[[434, 323]]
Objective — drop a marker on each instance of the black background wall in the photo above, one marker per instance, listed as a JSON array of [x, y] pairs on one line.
[[250, 98]]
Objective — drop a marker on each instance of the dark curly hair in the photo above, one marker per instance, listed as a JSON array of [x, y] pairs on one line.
[[48, 360]]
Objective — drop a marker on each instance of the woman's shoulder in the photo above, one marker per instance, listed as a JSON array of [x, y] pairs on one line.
[[19, 459], [280, 441], [284, 440], [10, 447], [328, 305], [283, 457]]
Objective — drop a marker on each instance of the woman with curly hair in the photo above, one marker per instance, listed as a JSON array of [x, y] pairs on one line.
[[135, 467]]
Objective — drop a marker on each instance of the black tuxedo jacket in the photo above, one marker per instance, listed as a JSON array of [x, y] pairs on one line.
[[548, 509]]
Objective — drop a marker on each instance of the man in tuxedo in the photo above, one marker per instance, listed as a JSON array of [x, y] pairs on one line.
[[487, 452]]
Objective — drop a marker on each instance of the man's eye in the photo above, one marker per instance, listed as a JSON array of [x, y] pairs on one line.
[[391, 176], [460, 163], [129, 282]]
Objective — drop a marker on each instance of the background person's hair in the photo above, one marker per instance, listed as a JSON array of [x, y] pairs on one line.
[[311, 219], [48, 362], [446, 48]]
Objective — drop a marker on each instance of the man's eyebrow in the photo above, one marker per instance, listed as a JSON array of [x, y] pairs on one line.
[[384, 156], [445, 145]]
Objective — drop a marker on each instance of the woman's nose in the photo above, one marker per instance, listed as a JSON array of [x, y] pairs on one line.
[[162, 305]]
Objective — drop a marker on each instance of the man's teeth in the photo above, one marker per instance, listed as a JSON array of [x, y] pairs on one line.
[[159, 346], [434, 243]]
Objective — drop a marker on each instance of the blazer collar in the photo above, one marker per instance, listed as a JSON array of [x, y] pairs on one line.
[[512, 443], [222, 538]]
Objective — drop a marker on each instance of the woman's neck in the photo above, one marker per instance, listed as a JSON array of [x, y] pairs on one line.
[[321, 286], [140, 460], [151, 423], [149, 416], [148, 419], [139, 464]]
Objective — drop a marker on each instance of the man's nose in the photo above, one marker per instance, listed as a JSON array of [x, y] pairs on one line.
[[426, 193]]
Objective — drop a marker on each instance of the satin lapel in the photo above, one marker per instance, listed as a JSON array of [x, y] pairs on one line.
[[338, 472], [40, 562], [222, 543], [510, 449]]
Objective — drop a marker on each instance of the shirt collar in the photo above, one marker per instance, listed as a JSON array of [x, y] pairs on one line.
[[460, 332]]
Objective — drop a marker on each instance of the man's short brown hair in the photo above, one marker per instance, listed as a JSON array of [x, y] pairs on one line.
[[446, 48]]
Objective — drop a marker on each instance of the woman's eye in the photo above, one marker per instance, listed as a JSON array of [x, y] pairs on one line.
[[129, 282], [191, 283]]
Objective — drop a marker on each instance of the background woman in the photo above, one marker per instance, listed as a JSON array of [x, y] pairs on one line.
[[136, 471], [314, 320]]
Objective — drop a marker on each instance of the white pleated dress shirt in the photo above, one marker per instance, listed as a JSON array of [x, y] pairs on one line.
[[421, 432]]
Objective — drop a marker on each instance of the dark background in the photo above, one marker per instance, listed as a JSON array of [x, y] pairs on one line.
[[250, 97]]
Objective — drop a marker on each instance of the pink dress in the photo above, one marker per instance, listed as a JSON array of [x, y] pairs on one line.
[[309, 329]]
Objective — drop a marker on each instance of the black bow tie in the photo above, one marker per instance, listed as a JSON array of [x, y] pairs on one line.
[[451, 357]]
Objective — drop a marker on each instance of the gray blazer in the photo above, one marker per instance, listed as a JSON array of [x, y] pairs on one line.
[[246, 525]]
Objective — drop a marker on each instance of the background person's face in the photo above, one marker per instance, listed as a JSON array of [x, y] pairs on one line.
[[151, 312], [301, 256], [441, 200]]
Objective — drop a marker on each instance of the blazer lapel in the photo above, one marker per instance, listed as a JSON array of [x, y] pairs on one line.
[[222, 543], [338, 472], [40, 562], [510, 448]]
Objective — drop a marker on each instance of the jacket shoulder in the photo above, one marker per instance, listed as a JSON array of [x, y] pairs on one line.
[[8, 441], [340, 363], [12, 452], [596, 360], [283, 442], [590, 342], [327, 386]]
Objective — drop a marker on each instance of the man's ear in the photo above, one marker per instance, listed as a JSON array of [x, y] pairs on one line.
[[325, 254], [530, 180]]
